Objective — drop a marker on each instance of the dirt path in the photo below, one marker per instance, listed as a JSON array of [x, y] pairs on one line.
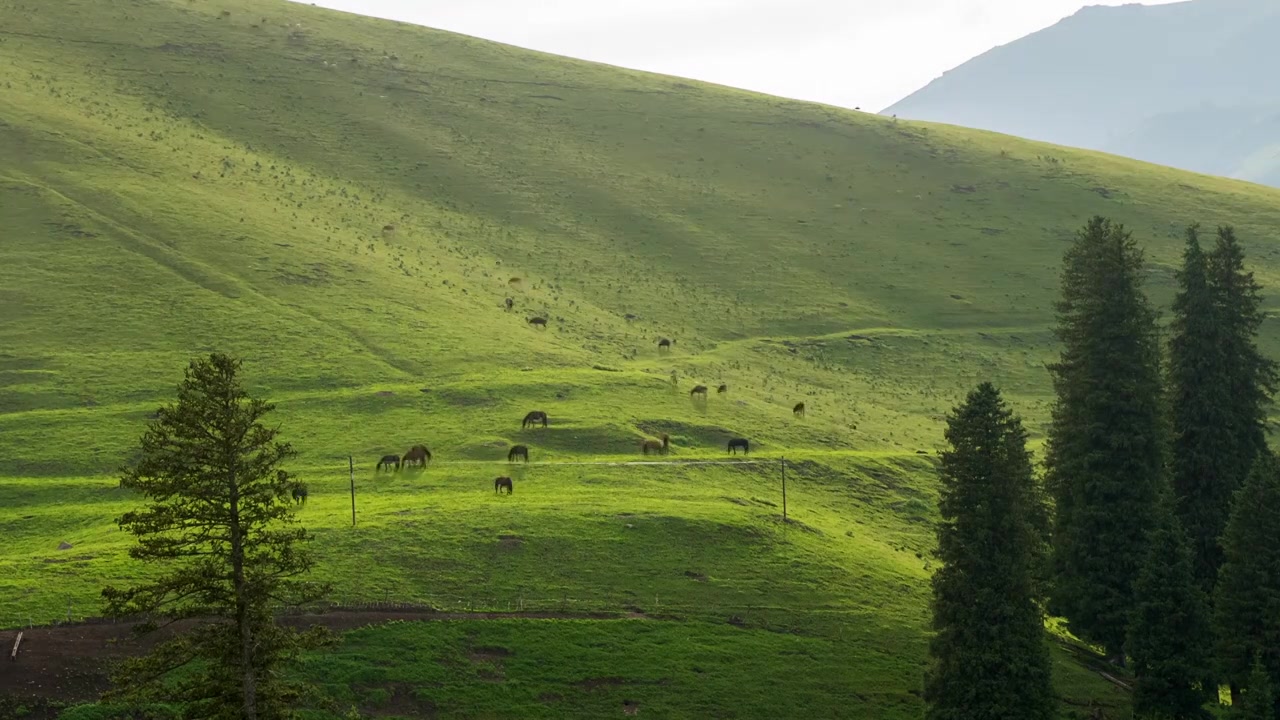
[[68, 663]]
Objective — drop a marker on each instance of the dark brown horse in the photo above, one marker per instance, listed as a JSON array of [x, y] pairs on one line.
[[533, 418], [539, 322], [418, 455], [661, 448], [299, 493], [388, 461], [664, 344], [699, 390], [798, 410], [518, 451], [736, 443], [722, 389], [510, 304], [502, 482]]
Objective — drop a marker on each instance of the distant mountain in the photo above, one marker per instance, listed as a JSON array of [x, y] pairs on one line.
[[1193, 85]]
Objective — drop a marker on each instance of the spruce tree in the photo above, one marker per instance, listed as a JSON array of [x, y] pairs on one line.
[[221, 534], [1204, 455], [1247, 599], [1105, 457], [1258, 701], [1169, 631], [989, 658]]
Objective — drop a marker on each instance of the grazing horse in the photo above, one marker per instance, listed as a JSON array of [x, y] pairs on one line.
[[798, 410], [299, 493], [533, 418], [510, 304], [539, 321], [661, 448], [418, 455], [736, 443], [518, 451], [664, 344], [722, 389], [699, 390], [502, 482], [388, 461]]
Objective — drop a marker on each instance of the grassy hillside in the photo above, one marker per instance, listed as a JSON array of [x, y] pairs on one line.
[[347, 203]]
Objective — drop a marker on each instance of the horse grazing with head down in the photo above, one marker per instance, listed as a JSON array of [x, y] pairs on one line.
[[516, 451], [539, 322], [736, 443], [388, 462], [299, 493], [533, 418], [502, 482], [661, 448], [798, 410], [722, 389], [664, 344], [418, 455], [699, 390]]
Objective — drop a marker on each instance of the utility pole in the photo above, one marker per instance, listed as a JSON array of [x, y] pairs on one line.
[[783, 461], [351, 463]]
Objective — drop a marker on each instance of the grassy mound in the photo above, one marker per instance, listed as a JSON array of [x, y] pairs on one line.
[[347, 203]]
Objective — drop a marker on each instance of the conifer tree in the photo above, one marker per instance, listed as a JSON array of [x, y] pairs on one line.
[[1204, 467], [1247, 599], [1169, 633], [1258, 701], [221, 533], [989, 656], [1105, 458]]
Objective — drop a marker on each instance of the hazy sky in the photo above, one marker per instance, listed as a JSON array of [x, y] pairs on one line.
[[867, 53]]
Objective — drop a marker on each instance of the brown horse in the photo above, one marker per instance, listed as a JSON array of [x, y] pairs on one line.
[[510, 304], [736, 443], [661, 448], [798, 410], [299, 493], [722, 389], [418, 455], [699, 390], [664, 344], [502, 482], [539, 322], [518, 451], [388, 461], [533, 418]]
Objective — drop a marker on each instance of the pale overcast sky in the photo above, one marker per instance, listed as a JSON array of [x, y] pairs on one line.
[[867, 53]]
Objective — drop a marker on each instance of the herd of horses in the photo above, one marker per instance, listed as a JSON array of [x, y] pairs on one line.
[[420, 455]]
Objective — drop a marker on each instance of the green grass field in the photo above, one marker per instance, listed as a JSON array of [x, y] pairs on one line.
[[346, 203]]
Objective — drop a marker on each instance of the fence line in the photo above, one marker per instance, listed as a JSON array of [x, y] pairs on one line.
[[514, 605], [601, 462]]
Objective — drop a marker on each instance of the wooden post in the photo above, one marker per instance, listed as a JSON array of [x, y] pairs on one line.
[[351, 463], [784, 488], [17, 641]]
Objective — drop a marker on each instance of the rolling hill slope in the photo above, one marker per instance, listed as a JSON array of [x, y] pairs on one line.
[[347, 203]]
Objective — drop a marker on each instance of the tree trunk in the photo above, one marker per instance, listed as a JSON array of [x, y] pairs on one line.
[[248, 683], [1235, 695]]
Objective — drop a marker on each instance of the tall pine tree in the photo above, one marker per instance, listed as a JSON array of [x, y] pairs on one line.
[[1258, 702], [1105, 456], [221, 535], [1247, 601], [1250, 376], [1205, 468], [1169, 632], [989, 657]]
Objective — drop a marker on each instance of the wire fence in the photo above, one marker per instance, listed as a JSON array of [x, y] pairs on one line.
[[456, 607]]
